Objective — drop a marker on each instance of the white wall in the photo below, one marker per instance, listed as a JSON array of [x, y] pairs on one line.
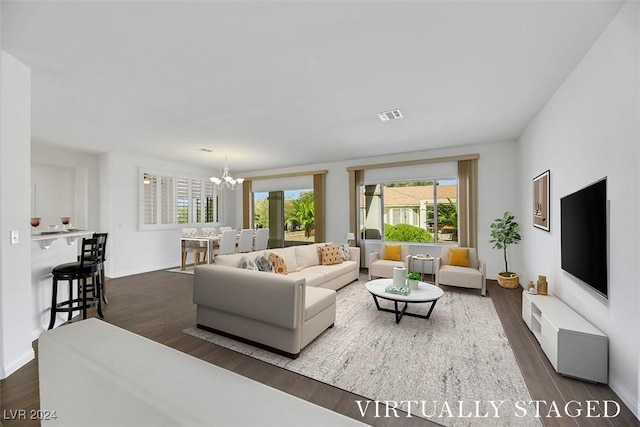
[[15, 275], [129, 250], [54, 167], [588, 130], [497, 193]]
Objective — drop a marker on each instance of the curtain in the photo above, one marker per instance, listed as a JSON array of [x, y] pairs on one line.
[[319, 195], [468, 203], [356, 179], [246, 203]]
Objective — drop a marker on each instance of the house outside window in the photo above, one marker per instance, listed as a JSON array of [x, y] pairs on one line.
[[410, 211]]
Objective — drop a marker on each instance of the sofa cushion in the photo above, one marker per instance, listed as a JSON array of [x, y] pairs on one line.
[[248, 264], [306, 256], [331, 255], [277, 263], [391, 252], [316, 300], [330, 272], [263, 264], [230, 260], [345, 251], [461, 276], [312, 278], [459, 257], [289, 256]]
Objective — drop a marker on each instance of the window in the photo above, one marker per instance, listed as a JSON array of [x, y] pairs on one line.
[[410, 211], [168, 200], [289, 215]]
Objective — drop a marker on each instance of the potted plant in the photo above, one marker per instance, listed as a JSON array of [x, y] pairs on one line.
[[505, 231], [412, 279]]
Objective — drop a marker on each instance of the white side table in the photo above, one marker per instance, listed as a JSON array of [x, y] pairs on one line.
[[419, 264]]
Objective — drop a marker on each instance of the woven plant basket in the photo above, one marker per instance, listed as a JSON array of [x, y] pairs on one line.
[[510, 282]]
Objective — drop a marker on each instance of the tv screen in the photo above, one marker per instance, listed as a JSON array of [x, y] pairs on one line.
[[583, 235]]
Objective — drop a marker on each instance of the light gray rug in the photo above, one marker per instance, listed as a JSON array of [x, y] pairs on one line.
[[460, 354], [189, 269]]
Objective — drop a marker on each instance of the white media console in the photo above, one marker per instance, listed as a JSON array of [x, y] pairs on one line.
[[574, 346]]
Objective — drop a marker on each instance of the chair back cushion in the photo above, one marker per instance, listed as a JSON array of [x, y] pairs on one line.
[[391, 252], [472, 256], [459, 257]]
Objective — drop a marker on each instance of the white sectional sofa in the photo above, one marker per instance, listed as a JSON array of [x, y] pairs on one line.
[[280, 312], [92, 373], [304, 262]]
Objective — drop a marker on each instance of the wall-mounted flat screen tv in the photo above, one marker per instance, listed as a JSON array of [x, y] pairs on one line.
[[583, 235]]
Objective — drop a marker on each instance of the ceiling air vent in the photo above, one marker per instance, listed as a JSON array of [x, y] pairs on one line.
[[390, 115]]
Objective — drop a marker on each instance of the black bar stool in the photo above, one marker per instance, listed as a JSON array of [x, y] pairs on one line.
[[87, 267], [104, 258]]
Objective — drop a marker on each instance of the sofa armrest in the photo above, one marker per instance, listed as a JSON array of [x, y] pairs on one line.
[[482, 266], [374, 256], [266, 297], [407, 262], [354, 254]]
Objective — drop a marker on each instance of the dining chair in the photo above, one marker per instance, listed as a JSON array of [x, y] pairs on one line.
[[227, 242], [209, 231], [224, 228], [192, 246], [262, 239], [245, 242]]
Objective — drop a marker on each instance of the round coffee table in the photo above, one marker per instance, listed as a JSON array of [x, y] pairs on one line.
[[426, 292]]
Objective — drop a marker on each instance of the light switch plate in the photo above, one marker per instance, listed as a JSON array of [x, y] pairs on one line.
[[15, 237]]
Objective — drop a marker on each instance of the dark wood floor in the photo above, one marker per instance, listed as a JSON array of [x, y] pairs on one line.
[[159, 306]]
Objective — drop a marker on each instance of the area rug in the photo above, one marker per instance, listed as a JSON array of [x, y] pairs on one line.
[[189, 269], [458, 365]]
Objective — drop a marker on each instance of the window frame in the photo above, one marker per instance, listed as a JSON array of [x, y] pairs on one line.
[[382, 214]]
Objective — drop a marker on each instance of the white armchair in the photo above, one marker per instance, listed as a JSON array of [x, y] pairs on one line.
[[381, 267], [473, 276]]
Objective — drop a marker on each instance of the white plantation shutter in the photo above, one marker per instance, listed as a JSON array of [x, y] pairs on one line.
[[169, 201], [149, 199], [182, 200], [196, 200], [209, 206], [166, 196]]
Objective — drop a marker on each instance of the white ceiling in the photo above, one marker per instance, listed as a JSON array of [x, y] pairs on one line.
[[281, 83]]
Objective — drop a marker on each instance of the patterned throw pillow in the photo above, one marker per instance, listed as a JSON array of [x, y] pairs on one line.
[[331, 255], [263, 264], [277, 263], [247, 264], [344, 251]]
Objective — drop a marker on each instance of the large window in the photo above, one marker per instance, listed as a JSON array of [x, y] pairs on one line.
[[289, 215], [169, 199], [410, 211]]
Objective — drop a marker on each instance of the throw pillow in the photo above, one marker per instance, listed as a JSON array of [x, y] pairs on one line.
[[391, 252], [344, 251], [263, 264], [277, 263], [331, 255], [247, 264], [459, 257]]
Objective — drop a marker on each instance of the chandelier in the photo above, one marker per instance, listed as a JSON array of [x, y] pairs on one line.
[[227, 182]]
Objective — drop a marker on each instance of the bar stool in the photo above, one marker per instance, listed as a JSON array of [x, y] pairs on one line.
[[88, 266], [103, 251]]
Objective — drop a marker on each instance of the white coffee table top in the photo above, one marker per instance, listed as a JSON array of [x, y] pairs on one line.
[[426, 292]]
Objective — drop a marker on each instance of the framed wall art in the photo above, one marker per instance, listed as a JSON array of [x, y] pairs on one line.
[[541, 201]]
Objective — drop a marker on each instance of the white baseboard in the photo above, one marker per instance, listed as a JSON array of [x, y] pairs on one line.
[[5, 371], [626, 397]]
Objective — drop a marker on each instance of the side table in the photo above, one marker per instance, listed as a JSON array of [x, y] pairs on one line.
[[422, 261]]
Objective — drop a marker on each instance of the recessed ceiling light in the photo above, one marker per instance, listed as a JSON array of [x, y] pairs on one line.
[[390, 115]]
